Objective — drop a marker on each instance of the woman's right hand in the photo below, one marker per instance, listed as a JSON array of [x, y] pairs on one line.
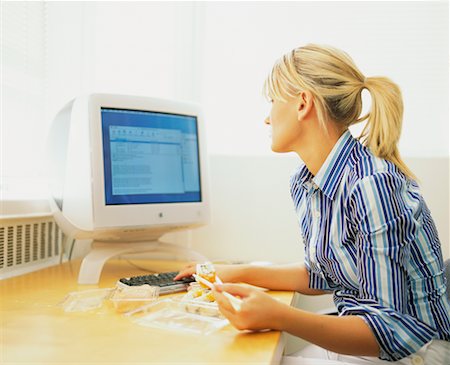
[[186, 271], [227, 273]]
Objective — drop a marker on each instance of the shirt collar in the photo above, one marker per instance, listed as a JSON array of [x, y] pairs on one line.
[[329, 175], [302, 176]]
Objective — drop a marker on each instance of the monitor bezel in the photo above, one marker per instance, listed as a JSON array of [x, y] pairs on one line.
[[142, 215]]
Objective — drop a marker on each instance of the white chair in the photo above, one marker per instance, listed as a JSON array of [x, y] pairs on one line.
[[447, 274]]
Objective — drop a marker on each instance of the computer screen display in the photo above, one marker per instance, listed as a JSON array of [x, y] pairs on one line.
[[150, 157]]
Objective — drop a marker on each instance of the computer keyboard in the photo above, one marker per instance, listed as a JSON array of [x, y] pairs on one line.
[[163, 280]]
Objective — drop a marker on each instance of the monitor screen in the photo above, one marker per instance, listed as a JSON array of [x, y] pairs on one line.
[[150, 157]]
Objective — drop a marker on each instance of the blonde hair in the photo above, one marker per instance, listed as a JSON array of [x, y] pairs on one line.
[[336, 85]]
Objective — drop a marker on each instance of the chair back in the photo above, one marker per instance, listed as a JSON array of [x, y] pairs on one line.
[[447, 275]]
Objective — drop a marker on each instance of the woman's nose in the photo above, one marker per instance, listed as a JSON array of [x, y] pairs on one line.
[[267, 120]]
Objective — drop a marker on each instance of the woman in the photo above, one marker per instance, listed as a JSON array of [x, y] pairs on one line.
[[369, 237]]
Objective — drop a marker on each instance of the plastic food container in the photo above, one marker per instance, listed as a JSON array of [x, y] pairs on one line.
[[86, 300], [176, 315], [125, 299]]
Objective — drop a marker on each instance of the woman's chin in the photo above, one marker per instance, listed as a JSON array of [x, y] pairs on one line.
[[277, 149]]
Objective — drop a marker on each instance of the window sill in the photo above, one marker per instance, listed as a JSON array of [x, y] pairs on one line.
[[11, 208]]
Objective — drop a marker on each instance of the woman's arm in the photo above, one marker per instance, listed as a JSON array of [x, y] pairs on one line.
[[388, 245], [293, 277], [344, 335], [349, 335]]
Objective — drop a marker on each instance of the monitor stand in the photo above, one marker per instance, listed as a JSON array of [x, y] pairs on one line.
[[92, 264]]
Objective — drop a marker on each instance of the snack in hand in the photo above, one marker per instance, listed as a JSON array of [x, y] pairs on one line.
[[207, 272]]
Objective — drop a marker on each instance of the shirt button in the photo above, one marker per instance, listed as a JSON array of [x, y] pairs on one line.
[[416, 360], [317, 214]]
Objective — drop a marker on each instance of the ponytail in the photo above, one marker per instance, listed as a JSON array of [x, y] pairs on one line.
[[382, 131]]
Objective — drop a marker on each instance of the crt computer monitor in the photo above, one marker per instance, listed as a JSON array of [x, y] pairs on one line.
[[124, 171]]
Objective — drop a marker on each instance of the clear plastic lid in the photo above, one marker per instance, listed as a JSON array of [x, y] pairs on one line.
[[174, 314], [86, 300], [125, 299]]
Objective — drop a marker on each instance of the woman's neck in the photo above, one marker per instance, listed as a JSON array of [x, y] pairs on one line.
[[317, 146]]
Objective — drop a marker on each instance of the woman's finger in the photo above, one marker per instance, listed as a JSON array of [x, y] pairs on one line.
[[223, 303], [234, 289]]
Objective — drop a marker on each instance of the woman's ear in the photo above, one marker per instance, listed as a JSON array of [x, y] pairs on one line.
[[304, 105]]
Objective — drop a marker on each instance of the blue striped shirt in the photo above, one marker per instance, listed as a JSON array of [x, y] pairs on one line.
[[370, 239]]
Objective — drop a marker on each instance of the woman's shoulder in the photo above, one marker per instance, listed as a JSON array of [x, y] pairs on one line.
[[367, 169], [366, 164]]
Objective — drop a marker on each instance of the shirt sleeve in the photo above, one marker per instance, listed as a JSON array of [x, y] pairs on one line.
[[386, 229], [316, 281]]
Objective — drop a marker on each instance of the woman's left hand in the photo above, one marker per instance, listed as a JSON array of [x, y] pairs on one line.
[[258, 310]]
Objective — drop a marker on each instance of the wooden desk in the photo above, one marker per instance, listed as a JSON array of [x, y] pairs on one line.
[[35, 330]]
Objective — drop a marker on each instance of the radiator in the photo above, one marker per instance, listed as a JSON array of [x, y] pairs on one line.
[[28, 244]]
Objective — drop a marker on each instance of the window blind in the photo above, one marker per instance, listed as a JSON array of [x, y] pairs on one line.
[[23, 92]]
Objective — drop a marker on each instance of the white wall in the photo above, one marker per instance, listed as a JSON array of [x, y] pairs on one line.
[[253, 216], [138, 48], [406, 41]]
